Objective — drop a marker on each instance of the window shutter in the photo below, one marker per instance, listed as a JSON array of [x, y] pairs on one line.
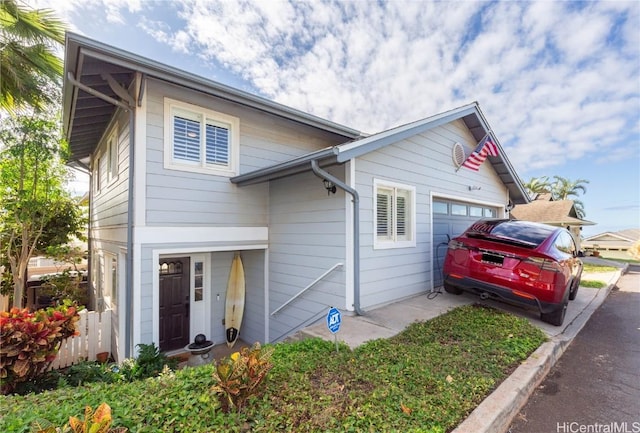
[[383, 212], [217, 145], [186, 139], [401, 219]]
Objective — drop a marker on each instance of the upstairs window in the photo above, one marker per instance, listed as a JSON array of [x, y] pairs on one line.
[[394, 219], [112, 155], [201, 140]]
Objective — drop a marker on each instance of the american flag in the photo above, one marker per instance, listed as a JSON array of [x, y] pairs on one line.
[[485, 148]]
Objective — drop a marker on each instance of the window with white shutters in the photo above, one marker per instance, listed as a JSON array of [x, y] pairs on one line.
[[394, 208], [200, 140]]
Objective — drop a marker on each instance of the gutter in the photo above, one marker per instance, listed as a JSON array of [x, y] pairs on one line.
[[356, 229]]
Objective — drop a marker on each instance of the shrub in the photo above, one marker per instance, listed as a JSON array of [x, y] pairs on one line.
[[149, 363], [94, 422], [240, 376], [29, 341]]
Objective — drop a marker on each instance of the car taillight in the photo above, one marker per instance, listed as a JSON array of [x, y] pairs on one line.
[[457, 245], [539, 270]]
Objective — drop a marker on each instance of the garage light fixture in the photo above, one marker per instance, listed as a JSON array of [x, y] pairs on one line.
[[329, 186]]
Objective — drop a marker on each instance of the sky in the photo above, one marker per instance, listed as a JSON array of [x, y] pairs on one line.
[[558, 81]]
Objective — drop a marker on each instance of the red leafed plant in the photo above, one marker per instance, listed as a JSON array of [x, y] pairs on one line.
[[29, 341]]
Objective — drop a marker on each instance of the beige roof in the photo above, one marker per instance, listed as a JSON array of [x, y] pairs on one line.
[[629, 235], [549, 212]]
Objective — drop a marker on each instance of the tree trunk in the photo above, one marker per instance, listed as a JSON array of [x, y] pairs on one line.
[[18, 289]]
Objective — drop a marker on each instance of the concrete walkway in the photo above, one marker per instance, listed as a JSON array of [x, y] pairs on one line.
[[495, 413]]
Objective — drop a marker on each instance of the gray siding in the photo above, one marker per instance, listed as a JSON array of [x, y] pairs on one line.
[[425, 162], [178, 198], [109, 206], [109, 214], [306, 238]]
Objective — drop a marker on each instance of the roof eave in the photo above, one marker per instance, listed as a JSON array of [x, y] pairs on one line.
[[77, 46], [325, 157]]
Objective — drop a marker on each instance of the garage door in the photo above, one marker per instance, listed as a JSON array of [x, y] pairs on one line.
[[450, 219]]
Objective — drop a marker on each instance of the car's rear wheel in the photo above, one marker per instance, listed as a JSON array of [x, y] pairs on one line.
[[453, 290], [574, 289], [556, 317]]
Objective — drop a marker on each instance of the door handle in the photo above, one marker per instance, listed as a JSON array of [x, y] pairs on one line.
[[186, 306]]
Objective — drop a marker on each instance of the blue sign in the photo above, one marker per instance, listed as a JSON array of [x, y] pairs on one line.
[[334, 319]]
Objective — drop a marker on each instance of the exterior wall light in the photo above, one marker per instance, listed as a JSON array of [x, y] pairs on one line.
[[329, 186]]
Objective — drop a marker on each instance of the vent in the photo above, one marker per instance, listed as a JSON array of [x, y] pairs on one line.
[[458, 154]]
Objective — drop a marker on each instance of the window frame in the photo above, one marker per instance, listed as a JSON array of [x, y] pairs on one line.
[[112, 155], [204, 117], [393, 239]]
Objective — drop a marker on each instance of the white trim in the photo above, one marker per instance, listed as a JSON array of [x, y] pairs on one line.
[[350, 173], [234, 142], [464, 199], [266, 296], [155, 235], [121, 302], [113, 139], [137, 298], [205, 303], [379, 244], [140, 162]]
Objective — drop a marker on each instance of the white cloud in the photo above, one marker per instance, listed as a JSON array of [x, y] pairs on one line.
[[556, 80]]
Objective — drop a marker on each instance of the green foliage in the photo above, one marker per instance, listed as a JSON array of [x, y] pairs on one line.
[[98, 421], [240, 376], [28, 62], [591, 268], [592, 284], [65, 285], [38, 212], [149, 363], [426, 379], [29, 341]]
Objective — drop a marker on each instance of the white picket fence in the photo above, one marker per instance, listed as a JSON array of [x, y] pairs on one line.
[[94, 338]]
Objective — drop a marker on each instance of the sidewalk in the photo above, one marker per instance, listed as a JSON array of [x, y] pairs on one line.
[[495, 413]]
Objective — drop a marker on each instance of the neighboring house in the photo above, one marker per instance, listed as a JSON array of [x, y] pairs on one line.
[[562, 213], [614, 244], [186, 172]]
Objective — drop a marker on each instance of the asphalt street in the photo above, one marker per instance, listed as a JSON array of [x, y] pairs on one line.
[[595, 386]]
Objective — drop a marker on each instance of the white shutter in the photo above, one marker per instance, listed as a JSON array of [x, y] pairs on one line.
[[186, 139], [217, 144], [384, 214]]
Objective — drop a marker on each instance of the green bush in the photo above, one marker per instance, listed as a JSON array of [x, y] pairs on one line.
[[240, 376], [149, 363], [29, 341], [426, 379]]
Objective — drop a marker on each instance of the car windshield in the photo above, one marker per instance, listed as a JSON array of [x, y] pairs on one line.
[[512, 231]]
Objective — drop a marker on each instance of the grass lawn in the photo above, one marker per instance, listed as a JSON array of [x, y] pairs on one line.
[[426, 379], [592, 270]]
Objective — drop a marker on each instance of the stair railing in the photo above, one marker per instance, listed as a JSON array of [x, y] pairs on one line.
[[331, 269]]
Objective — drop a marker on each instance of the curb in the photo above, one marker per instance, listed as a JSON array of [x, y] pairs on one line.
[[496, 412]]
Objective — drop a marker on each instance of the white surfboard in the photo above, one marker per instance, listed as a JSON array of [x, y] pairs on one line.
[[234, 301]]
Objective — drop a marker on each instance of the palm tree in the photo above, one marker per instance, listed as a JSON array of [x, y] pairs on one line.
[[538, 185], [28, 62], [563, 189]]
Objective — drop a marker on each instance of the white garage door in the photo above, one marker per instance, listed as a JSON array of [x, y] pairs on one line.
[[450, 219]]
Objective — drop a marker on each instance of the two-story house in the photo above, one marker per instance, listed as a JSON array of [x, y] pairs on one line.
[[187, 172]]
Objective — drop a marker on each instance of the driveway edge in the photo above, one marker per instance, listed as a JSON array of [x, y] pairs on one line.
[[496, 412]]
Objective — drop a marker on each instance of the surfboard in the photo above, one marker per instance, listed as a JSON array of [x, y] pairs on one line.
[[234, 307]]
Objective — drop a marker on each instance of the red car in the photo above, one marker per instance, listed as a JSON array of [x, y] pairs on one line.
[[520, 262]]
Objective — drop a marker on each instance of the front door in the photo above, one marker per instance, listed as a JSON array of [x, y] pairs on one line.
[[174, 303]]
